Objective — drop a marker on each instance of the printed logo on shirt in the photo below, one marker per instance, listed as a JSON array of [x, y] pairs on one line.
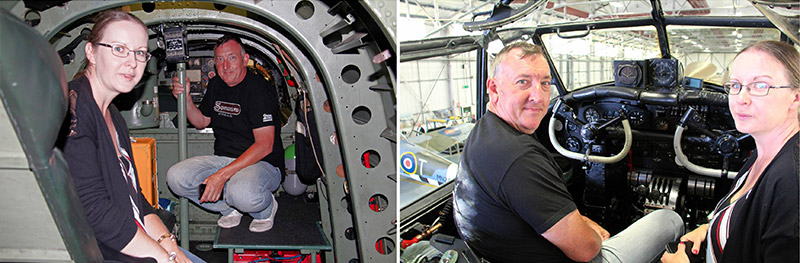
[[267, 118], [227, 109]]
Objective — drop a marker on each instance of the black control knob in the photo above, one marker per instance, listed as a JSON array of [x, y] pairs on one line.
[[642, 190], [655, 194], [726, 144], [589, 133]]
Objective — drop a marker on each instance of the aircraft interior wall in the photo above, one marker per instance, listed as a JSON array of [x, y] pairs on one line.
[[638, 118], [341, 53]]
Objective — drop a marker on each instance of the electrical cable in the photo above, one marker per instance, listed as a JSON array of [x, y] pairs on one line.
[[305, 111]]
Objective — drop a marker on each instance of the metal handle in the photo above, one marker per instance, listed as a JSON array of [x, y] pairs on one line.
[[588, 30]]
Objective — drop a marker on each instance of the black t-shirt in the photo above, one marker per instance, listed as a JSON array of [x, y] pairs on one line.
[[236, 111], [508, 192]]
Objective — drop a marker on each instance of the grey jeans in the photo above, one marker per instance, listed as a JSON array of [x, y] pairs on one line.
[[248, 190], [644, 240]]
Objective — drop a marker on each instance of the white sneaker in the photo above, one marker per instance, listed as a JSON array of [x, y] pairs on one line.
[[262, 225], [230, 220]]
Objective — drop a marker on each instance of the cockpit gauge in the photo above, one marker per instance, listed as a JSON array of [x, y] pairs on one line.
[[573, 144], [636, 118], [572, 126], [591, 115], [665, 72], [610, 114], [628, 73]]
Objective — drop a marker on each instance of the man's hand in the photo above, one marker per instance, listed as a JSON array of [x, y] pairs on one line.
[[177, 88], [597, 228], [214, 185], [679, 256]]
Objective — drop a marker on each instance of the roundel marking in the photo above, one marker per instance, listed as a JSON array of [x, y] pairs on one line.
[[408, 163]]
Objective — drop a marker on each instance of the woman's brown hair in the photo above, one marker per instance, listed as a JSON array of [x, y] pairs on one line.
[[786, 54], [106, 18]]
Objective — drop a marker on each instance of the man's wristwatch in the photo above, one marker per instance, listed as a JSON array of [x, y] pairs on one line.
[[172, 256]]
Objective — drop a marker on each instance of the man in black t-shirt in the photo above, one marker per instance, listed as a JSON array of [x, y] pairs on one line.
[[243, 110], [510, 202]]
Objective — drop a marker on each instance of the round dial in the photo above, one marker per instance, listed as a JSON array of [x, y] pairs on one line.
[[572, 126], [636, 118], [591, 115], [664, 72], [610, 114], [628, 75], [573, 144]]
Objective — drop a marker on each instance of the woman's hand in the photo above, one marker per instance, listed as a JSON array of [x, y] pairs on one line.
[[679, 256], [172, 246], [697, 237]]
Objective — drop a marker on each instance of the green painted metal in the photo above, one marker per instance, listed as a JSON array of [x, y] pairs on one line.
[[320, 72], [33, 90], [182, 151]]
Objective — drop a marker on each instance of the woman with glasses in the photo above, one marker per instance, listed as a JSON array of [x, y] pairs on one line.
[[98, 149], [757, 221]]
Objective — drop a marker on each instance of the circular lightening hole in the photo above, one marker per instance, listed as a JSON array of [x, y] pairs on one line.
[[378, 203], [384, 246], [351, 74], [370, 159], [361, 115], [33, 18], [148, 7], [304, 10], [350, 233]]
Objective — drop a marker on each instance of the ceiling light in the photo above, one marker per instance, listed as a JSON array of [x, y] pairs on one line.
[[694, 42], [685, 37]]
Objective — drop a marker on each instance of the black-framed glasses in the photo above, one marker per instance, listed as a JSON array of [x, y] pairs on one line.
[[122, 51], [754, 89]]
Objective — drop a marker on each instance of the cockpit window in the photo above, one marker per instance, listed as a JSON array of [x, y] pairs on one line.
[[709, 8], [590, 59], [706, 51]]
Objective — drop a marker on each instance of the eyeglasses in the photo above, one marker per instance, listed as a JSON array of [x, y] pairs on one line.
[[754, 89], [122, 51]]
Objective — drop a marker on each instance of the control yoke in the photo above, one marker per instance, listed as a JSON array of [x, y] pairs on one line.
[[589, 132]]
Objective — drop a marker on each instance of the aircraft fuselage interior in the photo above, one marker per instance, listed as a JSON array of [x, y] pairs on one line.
[[638, 119], [632, 132], [337, 56]]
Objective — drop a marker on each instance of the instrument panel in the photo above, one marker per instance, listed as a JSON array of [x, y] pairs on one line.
[[658, 72], [665, 72], [654, 99], [629, 73], [602, 112]]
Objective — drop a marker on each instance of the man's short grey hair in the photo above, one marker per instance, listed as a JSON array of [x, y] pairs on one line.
[[528, 49]]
